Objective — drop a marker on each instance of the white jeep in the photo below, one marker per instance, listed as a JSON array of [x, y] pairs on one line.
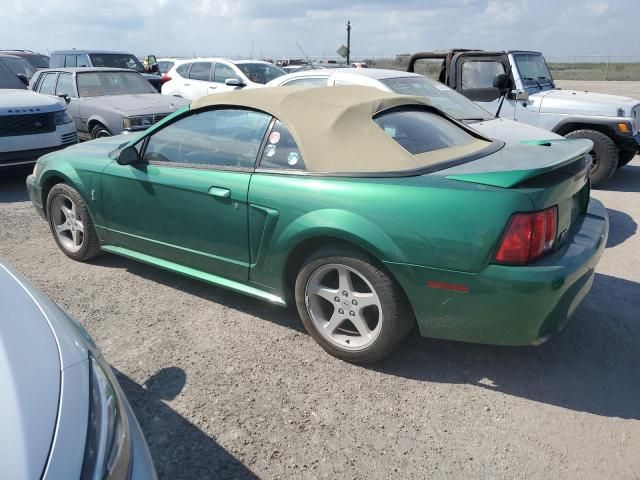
[[31, 124], [519, 85]]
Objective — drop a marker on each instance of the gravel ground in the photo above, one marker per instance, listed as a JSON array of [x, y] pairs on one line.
[[226, 386]]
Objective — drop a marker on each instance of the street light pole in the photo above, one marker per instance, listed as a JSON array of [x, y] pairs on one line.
[[348, 42]]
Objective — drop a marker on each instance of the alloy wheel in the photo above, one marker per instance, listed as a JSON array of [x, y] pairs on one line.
[[343, 306], [67, 223]]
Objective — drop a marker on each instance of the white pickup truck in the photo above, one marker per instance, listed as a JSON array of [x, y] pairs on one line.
[[518, 85], [31, 124]]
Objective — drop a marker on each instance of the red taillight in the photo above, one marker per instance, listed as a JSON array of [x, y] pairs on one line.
[[528, 236], [165, 79]]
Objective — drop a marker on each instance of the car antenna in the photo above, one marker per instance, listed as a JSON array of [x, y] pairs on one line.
[[504, 94], [303, 54]]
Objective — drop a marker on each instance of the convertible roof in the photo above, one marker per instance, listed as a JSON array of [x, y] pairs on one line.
[[334, 128]]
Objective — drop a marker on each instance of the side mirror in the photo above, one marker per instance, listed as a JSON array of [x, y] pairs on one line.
[[234, 82], [154, 68], [23, 78], [66, 98], [500, 81], [128, 156], [521, 95]]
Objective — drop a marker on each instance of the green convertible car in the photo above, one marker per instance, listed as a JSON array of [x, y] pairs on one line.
[[371, 211]]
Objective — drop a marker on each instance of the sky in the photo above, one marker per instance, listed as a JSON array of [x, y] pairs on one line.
[[272, 29]]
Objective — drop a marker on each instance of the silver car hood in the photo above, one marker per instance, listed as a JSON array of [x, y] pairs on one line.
[[139, 104], [510, 131], [34, 349], [573, 102]]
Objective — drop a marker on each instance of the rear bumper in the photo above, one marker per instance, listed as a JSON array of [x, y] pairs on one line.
[[508, 305]]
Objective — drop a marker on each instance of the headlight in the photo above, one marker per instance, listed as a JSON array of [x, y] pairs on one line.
[[107, 451], [62, 117], [142, 121]]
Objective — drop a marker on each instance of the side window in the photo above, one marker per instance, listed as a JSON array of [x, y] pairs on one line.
[[200, 71], [227, 138], [222, 72], [82, 61], [65, 85], [480, 74], [47, 84], [57, 61], [281, 151], [70, 60], [307, 82], [183, 70]]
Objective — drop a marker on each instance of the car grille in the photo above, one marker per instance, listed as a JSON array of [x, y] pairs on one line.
[[29, 124], [69, 138]]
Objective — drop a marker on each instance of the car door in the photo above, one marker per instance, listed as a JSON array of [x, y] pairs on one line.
[[186, 202], [66, 87], [199, 80], [221, 72], [475, 75]]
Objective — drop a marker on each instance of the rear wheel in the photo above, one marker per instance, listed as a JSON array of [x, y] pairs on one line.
[[625, 156], [351, 307], [99, 131], [71, 224], [604, 154]]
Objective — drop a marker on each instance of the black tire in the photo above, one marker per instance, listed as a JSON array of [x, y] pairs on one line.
[[604, 153], [90, 244], [99, 131], [625, 156], [397, 316]]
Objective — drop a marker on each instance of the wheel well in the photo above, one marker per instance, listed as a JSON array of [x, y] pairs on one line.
[[572, 127], [46, 188], [304, 249], [92, 123]]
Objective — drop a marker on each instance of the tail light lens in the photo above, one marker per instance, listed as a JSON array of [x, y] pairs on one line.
[[528, 236], [165, 78]]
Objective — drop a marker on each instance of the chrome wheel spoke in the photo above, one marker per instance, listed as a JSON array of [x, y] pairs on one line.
[[344, 281], [361, 325], [334, 322], [79, 226], [62, 228], [66, 211], [363, 300], [67, 224], [322, 291]]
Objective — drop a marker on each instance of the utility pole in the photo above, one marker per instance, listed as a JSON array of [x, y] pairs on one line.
[[348, 42]]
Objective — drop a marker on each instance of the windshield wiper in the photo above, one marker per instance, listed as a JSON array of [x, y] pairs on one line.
[[471, 119], [548, 80], [537, 82]]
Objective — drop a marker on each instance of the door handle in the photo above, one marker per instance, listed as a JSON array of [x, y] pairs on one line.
[[212, 87], [187, 84], [220, 192]]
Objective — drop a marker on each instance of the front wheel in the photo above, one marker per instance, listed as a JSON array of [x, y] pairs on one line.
[[604, 154], [351, 307], [71, 224], [99, 131]]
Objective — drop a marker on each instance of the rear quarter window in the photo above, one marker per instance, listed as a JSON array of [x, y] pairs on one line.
[[418, 130]]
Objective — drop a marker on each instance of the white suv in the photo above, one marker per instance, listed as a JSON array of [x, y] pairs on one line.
[[31, 124], [198, 77]]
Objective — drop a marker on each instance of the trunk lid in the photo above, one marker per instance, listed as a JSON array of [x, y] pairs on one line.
[[550, 172]]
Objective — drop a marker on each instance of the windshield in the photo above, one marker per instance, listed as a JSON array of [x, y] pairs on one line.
[[38, 61], [8, 79], [116, 60], [442, 97], [19, 65], [260, 72], [533, 69], [97, 84]]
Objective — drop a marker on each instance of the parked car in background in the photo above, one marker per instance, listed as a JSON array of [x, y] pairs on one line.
[[106, 101], [441, 96], [19, 66], [523, 82], [368, 210], [59, 397], [34, 59], [102, 58], [31, 124], [198, 77]]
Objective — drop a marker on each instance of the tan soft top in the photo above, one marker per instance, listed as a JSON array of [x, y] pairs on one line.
[[334, 128]]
